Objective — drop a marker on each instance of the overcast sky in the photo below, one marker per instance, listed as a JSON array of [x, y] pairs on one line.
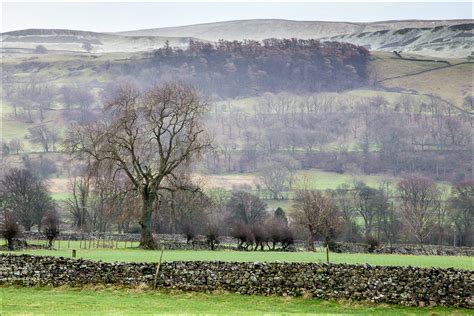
[[103, 17]]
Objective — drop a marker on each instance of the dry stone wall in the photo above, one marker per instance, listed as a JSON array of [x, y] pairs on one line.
[[398, 285], [178, 242]]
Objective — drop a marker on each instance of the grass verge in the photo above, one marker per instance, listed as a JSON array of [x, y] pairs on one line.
[[119, 301]]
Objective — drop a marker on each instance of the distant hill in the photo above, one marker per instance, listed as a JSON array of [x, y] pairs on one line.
[[443, 38], [439, 38], [72, 40], [454, 41], [262, 29]]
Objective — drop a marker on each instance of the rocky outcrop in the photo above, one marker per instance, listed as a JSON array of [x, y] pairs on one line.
[[396, 285]]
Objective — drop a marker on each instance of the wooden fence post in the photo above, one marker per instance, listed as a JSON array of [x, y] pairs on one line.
[[158, 267], [327, 254]]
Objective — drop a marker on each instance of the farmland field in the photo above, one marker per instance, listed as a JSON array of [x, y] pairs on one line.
[[116, 301], [138, 255]]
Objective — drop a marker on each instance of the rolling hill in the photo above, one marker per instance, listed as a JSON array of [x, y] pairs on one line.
[[439, 38], [269, 28], [72, 41], [447, 41]]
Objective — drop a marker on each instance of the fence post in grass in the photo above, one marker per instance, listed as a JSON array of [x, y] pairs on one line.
[[80, 243], [68, 243], [59, 243], [327, 253], [74, 253], [158, 266]]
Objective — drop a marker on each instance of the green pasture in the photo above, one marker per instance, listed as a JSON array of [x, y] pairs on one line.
[[133, 254], [119, 301]]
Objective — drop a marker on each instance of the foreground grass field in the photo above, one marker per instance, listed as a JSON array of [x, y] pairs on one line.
[[113, 301], [138, 255]]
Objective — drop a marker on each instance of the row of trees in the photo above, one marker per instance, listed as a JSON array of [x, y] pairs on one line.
[[412, 211], [242, 68], [37, 96], [341, 133]]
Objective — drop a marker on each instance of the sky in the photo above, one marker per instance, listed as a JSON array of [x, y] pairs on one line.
[[120, 16]]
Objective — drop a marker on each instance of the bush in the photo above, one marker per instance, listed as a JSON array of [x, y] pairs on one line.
[[212, 236], [189, 231], [51, 226], [244, 235], [260, 236], [287, 238], [373, 243], [10, 228], [40, 49]]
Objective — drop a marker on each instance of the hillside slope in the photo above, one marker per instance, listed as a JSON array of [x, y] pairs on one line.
[[271, 28], [442, 38], [454, 41], [73, 41]]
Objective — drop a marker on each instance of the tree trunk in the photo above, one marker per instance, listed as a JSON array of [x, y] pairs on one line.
[[146, 238], [311, 241]]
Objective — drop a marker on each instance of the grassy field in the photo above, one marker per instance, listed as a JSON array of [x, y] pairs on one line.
[[115, 301], [387, 65], [435, 83], [138, 255]]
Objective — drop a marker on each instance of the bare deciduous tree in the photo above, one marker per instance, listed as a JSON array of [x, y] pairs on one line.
[[146, 137], [9, 228], [246, 208], [77, 204], [462, 211], [277, 174], [51, 226], [45, 137], [27, 196], [317, 212], [15, 145], [419, 198]]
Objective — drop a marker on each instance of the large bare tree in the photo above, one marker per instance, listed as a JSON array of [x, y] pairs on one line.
[[419, 199], [147, 137], [317, 212]]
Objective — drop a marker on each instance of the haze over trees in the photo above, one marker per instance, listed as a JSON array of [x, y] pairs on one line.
[[234, 68], [279, 108]]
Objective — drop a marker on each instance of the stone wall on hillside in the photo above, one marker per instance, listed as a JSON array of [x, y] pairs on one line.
[[397, 285]]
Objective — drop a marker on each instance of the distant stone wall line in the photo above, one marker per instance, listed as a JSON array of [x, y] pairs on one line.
[[178, 242]]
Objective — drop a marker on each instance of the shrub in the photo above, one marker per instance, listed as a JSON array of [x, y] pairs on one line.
[[40, 49], [260, 236], [10, 228], [244, 235], [373, 243], [212, 235], [287, 238], [189, 231], [51, 226]]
